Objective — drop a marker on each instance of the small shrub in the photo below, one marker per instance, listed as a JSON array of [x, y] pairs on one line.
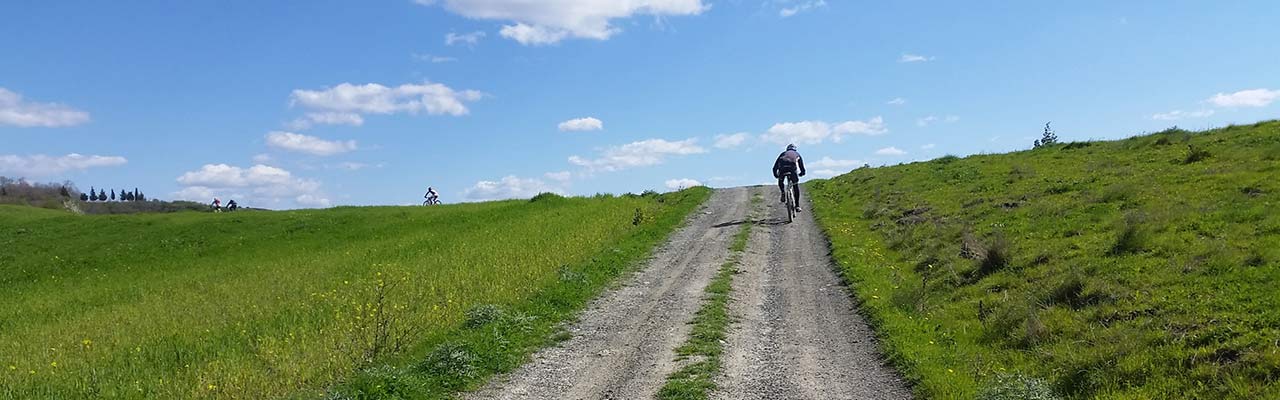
[[1132, 238], [453, 364], [1195, 154], [1017, 387], [947, 159], [483, 315], [994, 256], [546, 196]]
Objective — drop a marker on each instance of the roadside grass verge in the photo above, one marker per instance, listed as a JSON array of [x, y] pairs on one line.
[[1138, 268], [350, 302], [702, 350]]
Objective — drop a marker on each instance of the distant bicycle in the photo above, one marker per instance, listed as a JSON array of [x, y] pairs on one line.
[[432, 202]]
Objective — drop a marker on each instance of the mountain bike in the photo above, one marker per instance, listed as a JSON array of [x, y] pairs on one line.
[[432, 202]]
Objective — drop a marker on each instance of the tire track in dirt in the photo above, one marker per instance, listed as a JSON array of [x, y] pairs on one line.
[[798, 334], [623, 345]]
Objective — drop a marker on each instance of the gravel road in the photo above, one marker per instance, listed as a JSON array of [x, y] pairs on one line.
[[797, 336]]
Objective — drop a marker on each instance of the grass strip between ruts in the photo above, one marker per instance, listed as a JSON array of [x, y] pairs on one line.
[[706, 340]]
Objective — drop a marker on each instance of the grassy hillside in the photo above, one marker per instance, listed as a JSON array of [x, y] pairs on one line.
[[352, 302], [1140, 268]]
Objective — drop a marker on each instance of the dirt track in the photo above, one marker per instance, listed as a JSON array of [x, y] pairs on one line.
[[797, 336]]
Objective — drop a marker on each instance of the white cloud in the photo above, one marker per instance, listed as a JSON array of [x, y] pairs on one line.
[[312, 201], [1179, 114], [43, 165], [469, 39], [802, 7], [1245, 98], [548, 22], [912, 58], [682, 183], [259, 185], [814, 132], [581, 124], [18, 112], [638, 154], [890, 151], [345, 103], [731, 140], [326, 118], [897, 101], [559, 176], [826, 173], [509, 187], [929, 120], [928, 146], [308, 144], [828, 162]]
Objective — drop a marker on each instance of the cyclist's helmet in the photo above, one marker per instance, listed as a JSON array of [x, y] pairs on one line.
[[791, 147]]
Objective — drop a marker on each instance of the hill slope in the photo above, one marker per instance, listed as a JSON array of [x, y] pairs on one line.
[[1139, 268], [390, 301]]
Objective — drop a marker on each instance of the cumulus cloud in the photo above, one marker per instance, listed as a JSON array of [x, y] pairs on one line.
[[828, 162], [814, 132], [16, 111], [897, 101], [1179, 114], [913, 58], [730, 141], [890, 151], [682, 183], [929, 120], [548, 22], [801, 7], [581, 124], [638, 154], [308, 144], [40, 165], [346, 103], [1245, 98], [259, 185], [509, 187], [469, 39]]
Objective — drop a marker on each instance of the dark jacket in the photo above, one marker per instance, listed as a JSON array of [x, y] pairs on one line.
[[788, 161]]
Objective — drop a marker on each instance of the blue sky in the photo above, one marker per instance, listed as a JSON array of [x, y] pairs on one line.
[[315, 103]]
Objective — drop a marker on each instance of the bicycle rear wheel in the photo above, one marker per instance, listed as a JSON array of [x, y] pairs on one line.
[[791, 203]]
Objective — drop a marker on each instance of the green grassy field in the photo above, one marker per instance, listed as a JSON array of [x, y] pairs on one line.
[[1145, 268], [369, 302]]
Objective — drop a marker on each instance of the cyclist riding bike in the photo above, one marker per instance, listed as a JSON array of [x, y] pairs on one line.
[[431, 196], [786, 167]]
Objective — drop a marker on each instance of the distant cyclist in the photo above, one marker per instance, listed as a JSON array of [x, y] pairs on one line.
[[431, 196], [787, 165], [217, 205]]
